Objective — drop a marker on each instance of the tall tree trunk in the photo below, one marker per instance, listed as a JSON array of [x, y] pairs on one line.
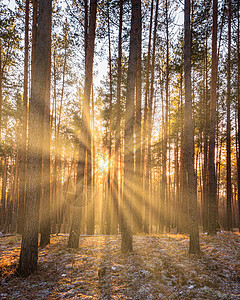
[[116, 186], [229, 181], [84, 156], [29, 247], [205, 148], [109, 193], [189, 136], [34, 34], [166, 194], [22, 177], [129, 187], [145, 124], [87, 97], [137, 213], [150, 116], [238, 101], [45, 226], [1, 82], [212, 131]]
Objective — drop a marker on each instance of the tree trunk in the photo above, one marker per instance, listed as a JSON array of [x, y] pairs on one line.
[[1, 83], [145, 124], [166, 194], [189, 136], [84, 156], [211, 164], [205, 149], [137, 213], [29, 247], [238, 101], [109, 192], [229, 180], [22, 177], [45, 227], [118, 128], [150, 116], [129, 188]]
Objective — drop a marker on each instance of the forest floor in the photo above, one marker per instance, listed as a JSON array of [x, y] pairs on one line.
[[159, 268]]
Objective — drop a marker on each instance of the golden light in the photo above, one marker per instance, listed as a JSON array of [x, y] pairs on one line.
[[103, 164]]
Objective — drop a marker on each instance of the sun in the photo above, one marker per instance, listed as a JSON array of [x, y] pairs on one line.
[[103, 164]]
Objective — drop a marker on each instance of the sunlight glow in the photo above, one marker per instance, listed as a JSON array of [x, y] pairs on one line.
[[103, 164]]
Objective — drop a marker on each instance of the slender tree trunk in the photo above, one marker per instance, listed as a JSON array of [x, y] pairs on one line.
[[1, 82], [29, 247], [54, 182], [116, 186], [84, 156], [87, 97], [22, 177], [212, 131], [109, 193], [137, 213], [129, 187], [45, 227], [145, 125], [150, 116], [229, 180], [189, 136], [238, 101], [166, 137], [34, 34], [205, 149], [93, 159]]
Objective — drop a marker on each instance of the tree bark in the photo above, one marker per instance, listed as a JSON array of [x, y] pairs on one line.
[[229, 180], [109, 192], [145, 124], [29, 247], [238, 101], [188, 153], [45, 227], [116, 187], [22, 177], [137, 214], [150, 116], [84, 156], [129, 188], [212, 130]]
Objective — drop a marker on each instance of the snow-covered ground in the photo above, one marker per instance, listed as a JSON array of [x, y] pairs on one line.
[[159, 268]]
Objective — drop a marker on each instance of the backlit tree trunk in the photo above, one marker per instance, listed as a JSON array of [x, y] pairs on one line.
[[29, 247], [22, 178], [129, 187], [145, 124], [211, 164], [238, 101], [84, 156], [188, 151], [229, 180], [116, 186]]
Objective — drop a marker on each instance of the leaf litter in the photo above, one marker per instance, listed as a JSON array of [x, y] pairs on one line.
[[159, 268]]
